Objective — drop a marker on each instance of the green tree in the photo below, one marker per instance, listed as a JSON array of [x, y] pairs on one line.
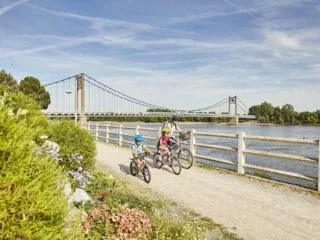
[[32, 87], [254, 110], [287, 111], [318, 115], [158, 110], [308, 117], [277, 118], [7, 80], [266, 110]]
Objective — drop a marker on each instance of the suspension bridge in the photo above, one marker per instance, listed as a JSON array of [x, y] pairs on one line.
[[81, 96]]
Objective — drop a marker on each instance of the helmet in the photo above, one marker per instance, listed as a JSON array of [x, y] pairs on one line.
[[138, 138], [166, 130], [175, 118]]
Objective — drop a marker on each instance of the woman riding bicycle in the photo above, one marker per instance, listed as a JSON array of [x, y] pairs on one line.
[[172, 125], [139, 148]]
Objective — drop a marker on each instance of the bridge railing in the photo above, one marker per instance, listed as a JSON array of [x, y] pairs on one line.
[[240, 149]]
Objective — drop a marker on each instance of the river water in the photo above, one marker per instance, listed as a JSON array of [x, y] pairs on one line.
[[304, 168]]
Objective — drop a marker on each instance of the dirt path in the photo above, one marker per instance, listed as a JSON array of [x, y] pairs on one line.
[[253, 209]]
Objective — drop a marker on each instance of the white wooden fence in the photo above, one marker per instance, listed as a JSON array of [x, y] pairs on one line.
[[241, 150]]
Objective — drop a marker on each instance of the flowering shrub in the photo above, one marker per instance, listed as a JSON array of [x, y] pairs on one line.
[[131, 223], [77, 145], [127, 224], [81, 177]]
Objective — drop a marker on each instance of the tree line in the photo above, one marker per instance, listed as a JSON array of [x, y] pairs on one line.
[[266, 113], [30, 86]]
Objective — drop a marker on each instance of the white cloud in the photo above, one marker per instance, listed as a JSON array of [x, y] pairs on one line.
[[210, 14], [96, 20], [280, 39], [12, 6], [128, 27]]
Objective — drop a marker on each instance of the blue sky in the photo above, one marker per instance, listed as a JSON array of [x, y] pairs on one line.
[[183, 54]]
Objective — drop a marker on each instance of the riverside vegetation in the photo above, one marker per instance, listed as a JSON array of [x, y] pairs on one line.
[[265, 113], [32, 200]]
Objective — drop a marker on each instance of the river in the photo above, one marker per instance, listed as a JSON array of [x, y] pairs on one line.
[[307, 132]]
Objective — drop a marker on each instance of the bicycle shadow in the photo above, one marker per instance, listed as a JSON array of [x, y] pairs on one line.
[[126, 169], [150, 163]]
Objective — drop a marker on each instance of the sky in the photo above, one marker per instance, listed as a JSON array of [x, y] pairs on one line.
[[182, 54]]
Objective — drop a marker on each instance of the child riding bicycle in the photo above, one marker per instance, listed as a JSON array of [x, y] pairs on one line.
[[139, 148], [164, 142]]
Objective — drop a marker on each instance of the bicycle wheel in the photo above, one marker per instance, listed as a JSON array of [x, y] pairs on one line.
[[133, 168], [156, 160], [176, 166], [186, 158], [146, 173]]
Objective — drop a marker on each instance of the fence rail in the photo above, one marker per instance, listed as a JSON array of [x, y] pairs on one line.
[[241, 150]]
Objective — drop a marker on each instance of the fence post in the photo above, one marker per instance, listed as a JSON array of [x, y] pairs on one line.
[[107, 133], [97, 131], [193, 142], [241, 153], [137, 129], [120, 135], [319, 165]]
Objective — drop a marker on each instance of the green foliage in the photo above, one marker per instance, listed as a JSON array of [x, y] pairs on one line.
[[32, 87], [158, 110], [35, 120], [73, 139], [261, 174], [7, 80], [32, 205], [286, 115]]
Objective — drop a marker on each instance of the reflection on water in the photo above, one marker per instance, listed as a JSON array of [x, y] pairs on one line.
[[300, 132]]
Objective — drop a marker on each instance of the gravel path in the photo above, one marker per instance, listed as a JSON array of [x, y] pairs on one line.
[[251, 208]]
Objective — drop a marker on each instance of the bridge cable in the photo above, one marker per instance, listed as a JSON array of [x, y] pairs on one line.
[[114, 94], [243, 103], [62, 80], [127, 96], [212, 106]]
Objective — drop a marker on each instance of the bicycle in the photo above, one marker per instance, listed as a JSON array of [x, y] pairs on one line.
[[184, 155], [159, 162], [144, 168]]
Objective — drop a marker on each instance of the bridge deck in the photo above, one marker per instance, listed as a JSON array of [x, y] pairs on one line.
[[252, 208]]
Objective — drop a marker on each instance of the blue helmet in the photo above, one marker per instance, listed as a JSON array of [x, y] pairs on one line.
[[138, 138]]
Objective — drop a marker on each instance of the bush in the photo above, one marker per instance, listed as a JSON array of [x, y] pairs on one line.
[[73, 139], [33, 117], [32, 206]]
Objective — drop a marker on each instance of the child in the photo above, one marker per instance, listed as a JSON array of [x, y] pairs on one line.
[[139, 148], [164, 141]]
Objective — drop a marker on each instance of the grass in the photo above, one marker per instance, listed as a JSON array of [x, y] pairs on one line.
[[261, 174], [169, 219]]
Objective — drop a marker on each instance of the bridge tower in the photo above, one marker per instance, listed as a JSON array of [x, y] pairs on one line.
[[80, 92], [233, 100]]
